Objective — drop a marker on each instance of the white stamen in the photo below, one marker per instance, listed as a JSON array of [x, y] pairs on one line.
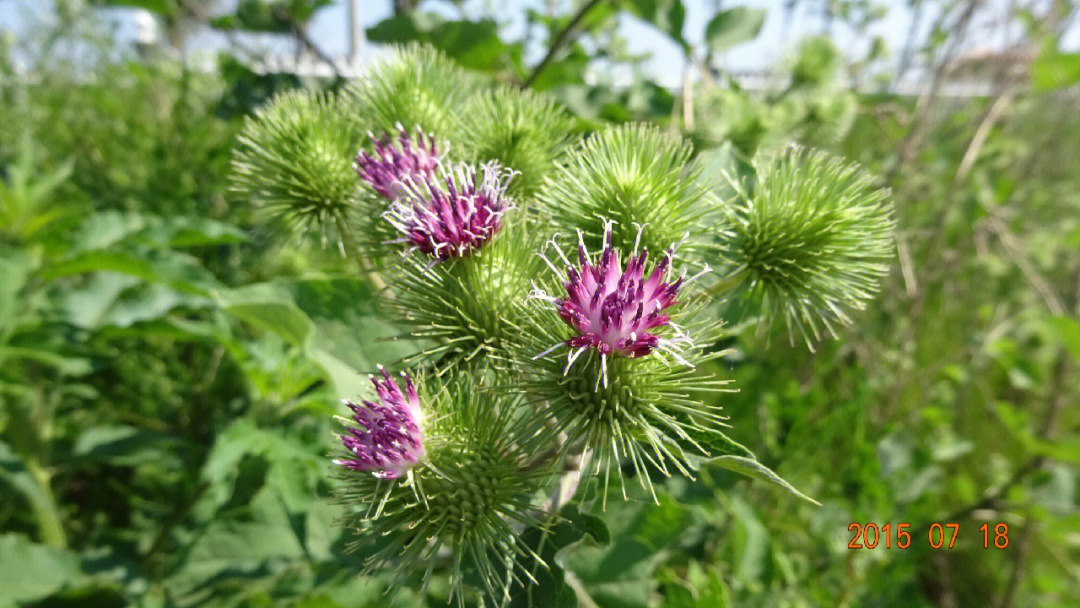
[[669, 348], [607, 232]]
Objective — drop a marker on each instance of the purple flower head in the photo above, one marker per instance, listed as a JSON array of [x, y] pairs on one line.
[[395, 159], [388, 439], [451, 213], [616, 311]]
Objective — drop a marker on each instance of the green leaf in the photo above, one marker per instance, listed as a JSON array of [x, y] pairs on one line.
[[102, 230], [703, 588], [109, 299], [571, 529], [126, 446], [270, 307], [335, 321], [753, 468], [15, 268], [1055, 71], [473, 44], [667, 15], [30, 572], [733, 26], [179, 271], [1067, 331], [165, 8], [269, 16]]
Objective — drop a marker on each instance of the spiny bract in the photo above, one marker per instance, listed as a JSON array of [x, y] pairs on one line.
[[613, 396]]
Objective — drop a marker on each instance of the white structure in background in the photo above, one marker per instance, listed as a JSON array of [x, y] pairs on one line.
[[147, 29], [355, 31]]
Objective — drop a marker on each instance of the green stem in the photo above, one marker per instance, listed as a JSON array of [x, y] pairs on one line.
[[351, 248], [560, 40], [43, 506]]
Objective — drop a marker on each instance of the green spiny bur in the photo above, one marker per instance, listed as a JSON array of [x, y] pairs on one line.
[[294, 159], [647, 410], [470, 306], [634, 175], [523, 130], [415, 86], [811, 241]]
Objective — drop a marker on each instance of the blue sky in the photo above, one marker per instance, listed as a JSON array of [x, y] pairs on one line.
[[773, 45]]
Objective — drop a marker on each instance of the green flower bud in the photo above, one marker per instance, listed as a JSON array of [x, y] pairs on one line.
[[811, 241], [523, 130], [415, 86], [636, 176], [295, 159]]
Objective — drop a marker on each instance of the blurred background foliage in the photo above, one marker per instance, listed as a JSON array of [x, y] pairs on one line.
[[166, 371]]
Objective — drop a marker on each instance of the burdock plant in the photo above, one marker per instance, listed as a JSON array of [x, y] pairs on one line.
[[560, 291]]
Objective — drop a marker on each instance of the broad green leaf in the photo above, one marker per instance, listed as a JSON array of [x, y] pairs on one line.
[[753, 468], [15, 268], [164, 8], [621, 574], [31, 572], [109, 299], [733, 26], [70, 366], [570, 529], [179, 271], [107, 228], [127, 446], [703, 587], [335, 321]]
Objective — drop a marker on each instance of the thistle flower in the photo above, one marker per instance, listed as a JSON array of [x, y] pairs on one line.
[[453, 213], [463, 497], [613, 310], [388, 439], [627, 388], [396, 157], [811, 241], [294, 159], [637, 176]]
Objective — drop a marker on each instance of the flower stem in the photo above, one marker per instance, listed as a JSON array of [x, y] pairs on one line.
[[351, 248]]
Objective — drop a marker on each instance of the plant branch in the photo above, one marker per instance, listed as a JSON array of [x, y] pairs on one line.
[[560, 40], [983, 131], [349, 247], [302, 36]]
